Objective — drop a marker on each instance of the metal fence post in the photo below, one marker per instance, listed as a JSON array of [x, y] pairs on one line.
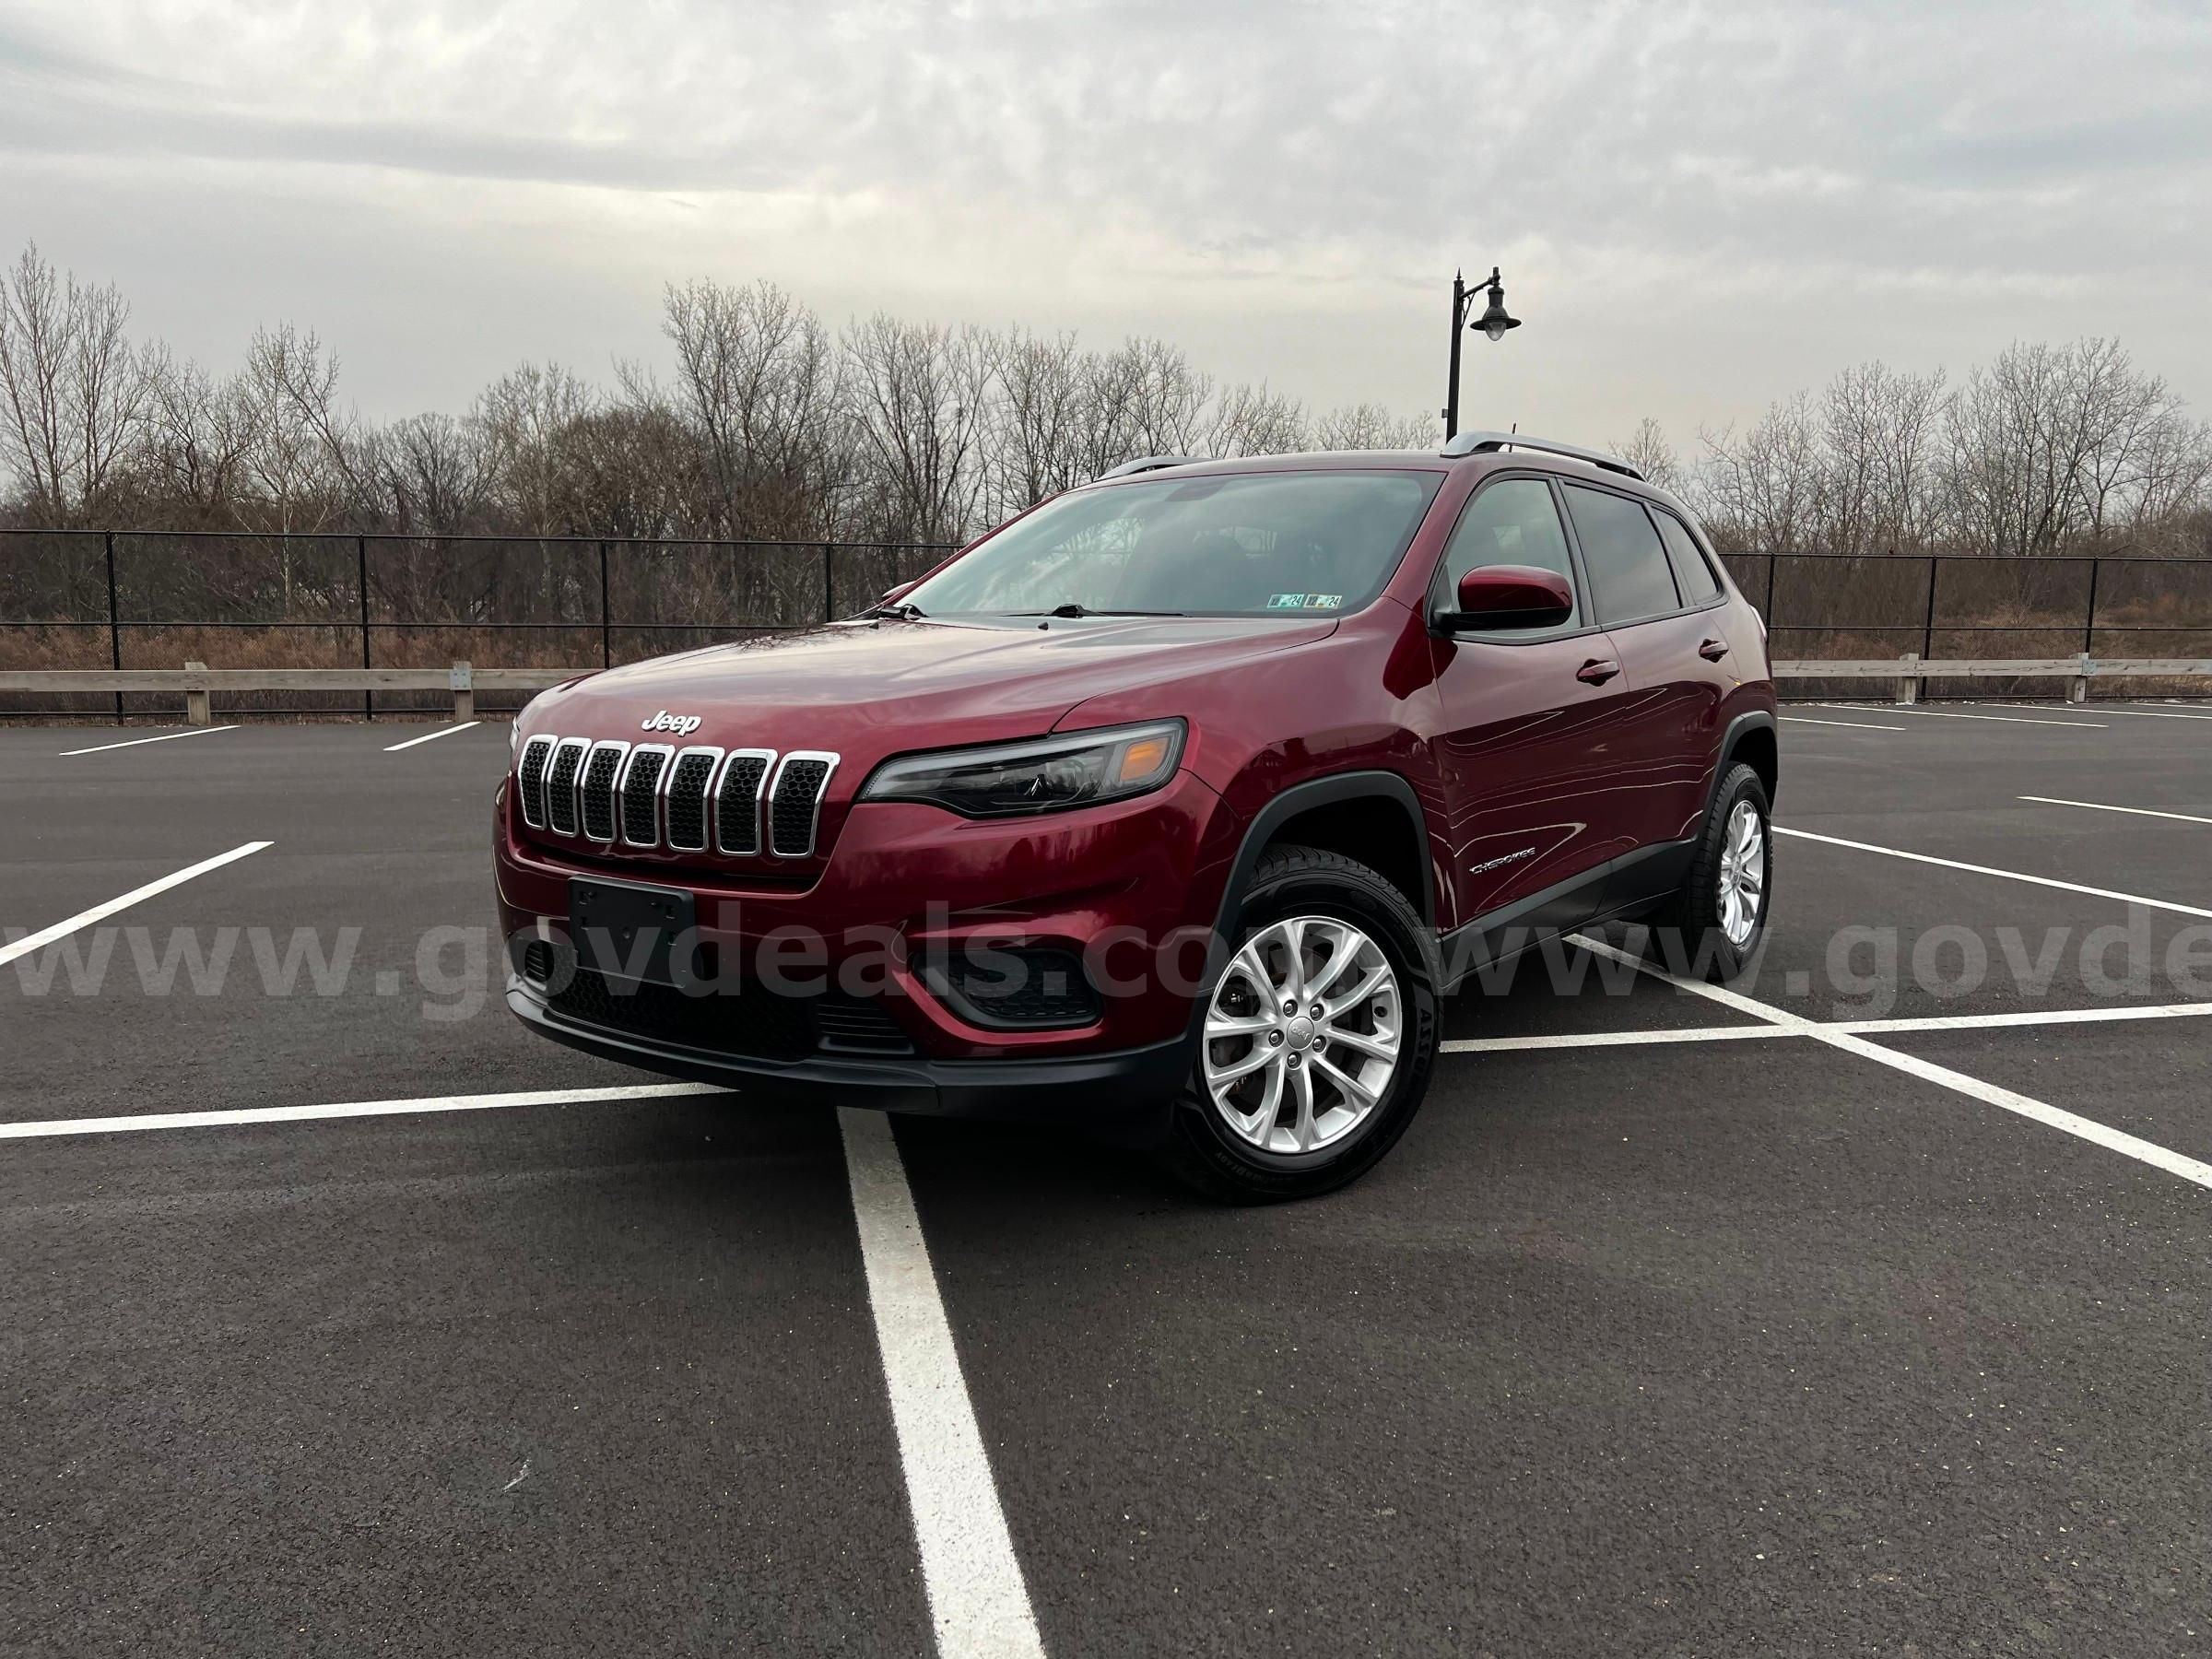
[[114, 627], [1772, 559], [1927, 626], [829, 581], [2089, 627], [606, 632], [360, 568]]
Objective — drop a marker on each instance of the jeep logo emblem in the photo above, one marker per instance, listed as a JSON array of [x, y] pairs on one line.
[[682, 725]]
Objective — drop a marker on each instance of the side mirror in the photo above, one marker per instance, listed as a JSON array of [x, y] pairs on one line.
[[1510, 596]]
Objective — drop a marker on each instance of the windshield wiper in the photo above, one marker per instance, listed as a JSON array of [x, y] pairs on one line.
[[1073, 609], [901, 612]]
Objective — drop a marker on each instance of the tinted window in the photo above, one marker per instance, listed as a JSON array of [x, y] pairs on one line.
[[1629, 573], [1693, 575], [1512, 522], [1254, 544]]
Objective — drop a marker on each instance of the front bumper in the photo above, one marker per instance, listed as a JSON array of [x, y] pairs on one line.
[[1126, 1095], [1130, 890]]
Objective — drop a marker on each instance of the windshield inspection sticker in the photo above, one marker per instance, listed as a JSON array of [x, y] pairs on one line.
[[1305, 601]]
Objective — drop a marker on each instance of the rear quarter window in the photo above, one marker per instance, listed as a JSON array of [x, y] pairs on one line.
[[1693, 573]]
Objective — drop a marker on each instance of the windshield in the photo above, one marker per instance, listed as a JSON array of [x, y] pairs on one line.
[[1255, 544]]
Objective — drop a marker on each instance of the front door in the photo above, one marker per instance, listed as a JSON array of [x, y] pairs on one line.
[[1531, 754]]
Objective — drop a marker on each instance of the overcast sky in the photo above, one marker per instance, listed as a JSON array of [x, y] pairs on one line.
[[1698, 208]]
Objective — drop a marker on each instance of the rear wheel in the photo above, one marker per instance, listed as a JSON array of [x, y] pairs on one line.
[[1318, 1035], [1720, 914]]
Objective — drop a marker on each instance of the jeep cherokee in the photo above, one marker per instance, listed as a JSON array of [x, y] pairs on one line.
[[1168, 809]]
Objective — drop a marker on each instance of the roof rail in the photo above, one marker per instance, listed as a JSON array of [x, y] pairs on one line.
[[1477, 444], [1145, 464]]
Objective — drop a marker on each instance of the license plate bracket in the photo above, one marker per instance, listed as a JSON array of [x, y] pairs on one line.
[[628, 932]]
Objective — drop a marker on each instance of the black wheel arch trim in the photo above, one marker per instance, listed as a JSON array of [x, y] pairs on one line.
[[1328, 791], [1750, 720]]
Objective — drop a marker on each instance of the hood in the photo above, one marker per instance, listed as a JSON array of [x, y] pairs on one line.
[[868, 690]]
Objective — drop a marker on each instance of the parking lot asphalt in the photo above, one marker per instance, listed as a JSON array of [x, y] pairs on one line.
[[1651, 1337]]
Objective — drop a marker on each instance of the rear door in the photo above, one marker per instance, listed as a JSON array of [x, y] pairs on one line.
[[1664, 620], [1534, 721]]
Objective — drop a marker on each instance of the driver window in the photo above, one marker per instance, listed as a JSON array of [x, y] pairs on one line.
[[1512, 522]]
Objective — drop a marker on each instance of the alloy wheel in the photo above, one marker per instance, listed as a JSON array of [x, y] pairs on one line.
[[1743, 873], [1302, 1035]]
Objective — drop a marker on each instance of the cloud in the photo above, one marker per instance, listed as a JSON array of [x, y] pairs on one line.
[[1209, 169]]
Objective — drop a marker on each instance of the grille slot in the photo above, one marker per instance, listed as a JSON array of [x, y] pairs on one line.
[[692, 771], [854, 1025], [754, 1023], [737, 802], [561, 785], [537, 960], [530, 781], [751, 1024], [642, 794], [595, 790], [796, 802]]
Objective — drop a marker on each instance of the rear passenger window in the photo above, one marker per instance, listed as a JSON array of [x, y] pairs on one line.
[[1512, 522], [1629, 573], [1692, 574]]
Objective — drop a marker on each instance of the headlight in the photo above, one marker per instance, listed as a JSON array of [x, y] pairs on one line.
[[1044, 775]]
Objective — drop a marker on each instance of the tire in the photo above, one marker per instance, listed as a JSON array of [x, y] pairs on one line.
[[1709, 938], [1347, 922]]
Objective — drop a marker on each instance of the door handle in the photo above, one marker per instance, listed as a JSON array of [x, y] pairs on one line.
[[1712, 651], [1597, 671]]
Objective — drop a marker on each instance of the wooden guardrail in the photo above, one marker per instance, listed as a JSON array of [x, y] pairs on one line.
[[1906, 672], [199, 683]]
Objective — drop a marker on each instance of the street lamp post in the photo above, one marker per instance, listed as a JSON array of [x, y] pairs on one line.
[[1494, 321]]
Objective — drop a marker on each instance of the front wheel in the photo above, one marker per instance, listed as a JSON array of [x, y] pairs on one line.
[[1318, 1034]]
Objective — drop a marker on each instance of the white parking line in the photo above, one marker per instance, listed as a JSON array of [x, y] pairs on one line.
[[1927, 1071], [977, 1599], [1855, 725], [2133, 811], [40, 1130], [101, 748], [1925, 1022], [432, 736], [1933, 715], [2104, 708], [1952, 863], [47, 935]]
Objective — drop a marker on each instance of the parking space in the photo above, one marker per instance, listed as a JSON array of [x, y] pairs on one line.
[[1651, 1336]]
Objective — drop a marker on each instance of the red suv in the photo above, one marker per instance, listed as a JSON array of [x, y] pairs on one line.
[[1169, 809]]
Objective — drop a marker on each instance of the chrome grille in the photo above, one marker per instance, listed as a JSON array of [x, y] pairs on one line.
[[642, 794], [595, 790], [560, 785], [795, 804], [737, 801], [530, 781], [742, 803]]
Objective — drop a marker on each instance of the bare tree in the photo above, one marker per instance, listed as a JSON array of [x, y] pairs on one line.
[[524, 416], [198, 435], [1878, 431], [758, 378], [1371, 426], [1252, 420], [1038, 417], [918, 395], [1650, 454], [73, 390], [1765, 488]]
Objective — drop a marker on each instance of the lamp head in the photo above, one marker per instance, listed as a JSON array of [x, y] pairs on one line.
[[1495, 319]]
